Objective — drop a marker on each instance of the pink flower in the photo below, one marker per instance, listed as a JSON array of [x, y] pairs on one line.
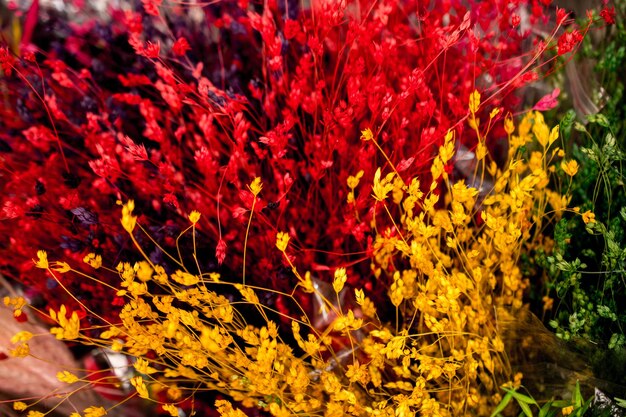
[[548, 102]]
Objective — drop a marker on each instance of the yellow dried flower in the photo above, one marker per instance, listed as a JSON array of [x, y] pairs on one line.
[[194, 216], [128, 220], [509, 127], [35, 414], [554, 135], [570, 167], [226, 409], [358, 373], [589, 217], [347, 322], [541, 130], [282, 240], [42, 259], [142, 366], [94, 411], [278, 411], [436, 169], [353, 181], [19, 406], [359, 296], [69, 328], [473, 122], [382, 187], [143, 271], [247, 293], [474, 101], [481, 150], [367, 134], [185, 278], [173, 392], [172, 409], [255, 186], [21, 351], [307, 283], [16, 303], [140, 386], [339, 279], [67, 377], [93, 260], [446, 152], [23, 336], [368, 308]]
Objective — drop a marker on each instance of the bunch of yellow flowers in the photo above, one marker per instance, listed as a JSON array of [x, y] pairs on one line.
[[452, 255]]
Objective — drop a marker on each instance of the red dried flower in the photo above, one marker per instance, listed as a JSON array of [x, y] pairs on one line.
[[152, 50], [152, 6], [568, 41], [515, 20], [181, 46], [561, 15], [220, 251], [608, 14], [7, 60]]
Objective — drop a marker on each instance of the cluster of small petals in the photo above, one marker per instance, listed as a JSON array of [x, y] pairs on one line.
[[568, 41], [68, 329], [94, 411], [608, 14], [181, 46], [282, 240], [42, 260], [93, 260], [128, 220], [194, 217], [67, 377], [589, 217], [570, 167]]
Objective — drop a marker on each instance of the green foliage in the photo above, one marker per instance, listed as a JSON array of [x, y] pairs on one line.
[[587, 267], [577, 406]]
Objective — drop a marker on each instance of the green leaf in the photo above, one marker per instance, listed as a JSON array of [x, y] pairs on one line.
[[521, 398], [500, 407], [577, 398], [548, 410], [561, 404], [525, 408], [582, 410]]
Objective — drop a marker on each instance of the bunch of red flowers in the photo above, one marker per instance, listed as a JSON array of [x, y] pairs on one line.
[[181, 107]]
